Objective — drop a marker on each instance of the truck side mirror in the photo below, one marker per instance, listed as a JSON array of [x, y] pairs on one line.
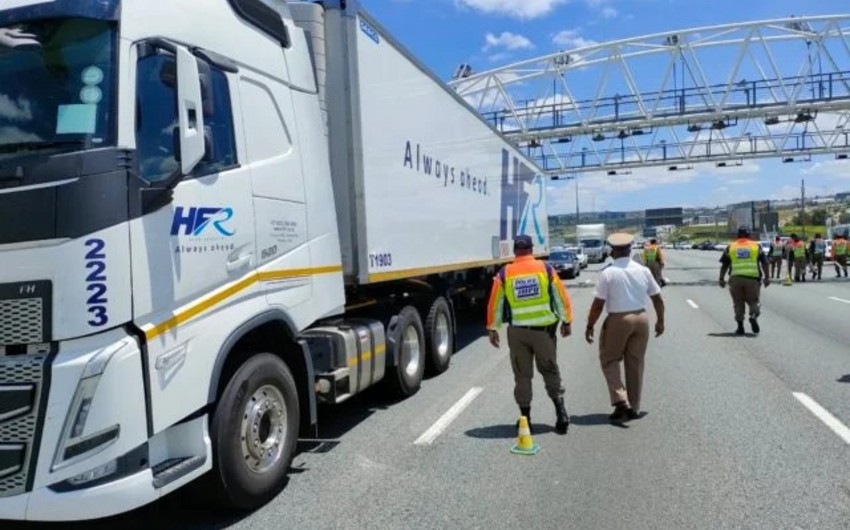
[[190, 111]]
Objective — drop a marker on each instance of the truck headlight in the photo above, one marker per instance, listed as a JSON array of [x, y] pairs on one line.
[[73, 446]]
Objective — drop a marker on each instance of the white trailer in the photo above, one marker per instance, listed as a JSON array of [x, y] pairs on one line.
[[213, 217]]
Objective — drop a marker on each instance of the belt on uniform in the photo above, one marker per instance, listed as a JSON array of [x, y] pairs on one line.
[[537, 328]]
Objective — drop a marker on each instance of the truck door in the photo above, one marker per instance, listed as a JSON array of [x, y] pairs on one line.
[[278, 186], [194, 258]]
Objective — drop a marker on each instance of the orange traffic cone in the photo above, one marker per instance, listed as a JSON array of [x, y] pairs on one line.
[[524, 444], [787, 282]]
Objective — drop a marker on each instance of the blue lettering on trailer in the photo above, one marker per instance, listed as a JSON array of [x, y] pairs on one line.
[[369, 31]]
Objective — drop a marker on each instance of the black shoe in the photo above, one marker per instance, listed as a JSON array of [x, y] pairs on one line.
[[740, 330], [562, 423], [755, 325], [633, 413], [621, 413]]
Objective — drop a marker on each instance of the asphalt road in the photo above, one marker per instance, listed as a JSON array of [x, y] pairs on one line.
[[726, 442]]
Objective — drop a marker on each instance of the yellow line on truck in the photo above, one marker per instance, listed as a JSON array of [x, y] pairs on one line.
[[425, 271], [209, 301]]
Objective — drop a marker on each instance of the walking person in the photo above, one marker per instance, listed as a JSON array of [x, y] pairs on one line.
[[654, 260], [529, 296], [798, 257], [817, 253], [777, 254], [840, 250], [622, 289], [748, 266]]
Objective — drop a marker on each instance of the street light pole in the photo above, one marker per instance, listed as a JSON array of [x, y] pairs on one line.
[[803, 206]]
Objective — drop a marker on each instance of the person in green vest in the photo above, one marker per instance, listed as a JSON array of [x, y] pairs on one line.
[[777, 254], [817, 253], [747, 265], [840, 250], [798, 258]]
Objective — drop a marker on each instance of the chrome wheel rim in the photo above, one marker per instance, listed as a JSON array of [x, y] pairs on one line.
[[264, 429], [442, 340], [410, 353]]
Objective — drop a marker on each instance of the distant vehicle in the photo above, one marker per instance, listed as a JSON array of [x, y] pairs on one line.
[[828, 255], [565, 263], [765, 246], [706, 245], [683, 245], [580, 254], [592, 238], [719, 246]]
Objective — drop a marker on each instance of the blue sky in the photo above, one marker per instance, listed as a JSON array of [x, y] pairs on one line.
[[492, 33]]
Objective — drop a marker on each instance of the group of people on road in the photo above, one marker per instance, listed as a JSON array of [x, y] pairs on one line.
[[529, 296], [800, 257]]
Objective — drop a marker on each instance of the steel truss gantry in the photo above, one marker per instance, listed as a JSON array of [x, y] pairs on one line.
[[721, 94]]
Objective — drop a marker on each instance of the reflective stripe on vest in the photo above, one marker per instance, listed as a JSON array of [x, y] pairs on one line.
[[744, 260], [529, 297], [777, 250], [798, 250], [650, 254], [840, 248], [820, 246]]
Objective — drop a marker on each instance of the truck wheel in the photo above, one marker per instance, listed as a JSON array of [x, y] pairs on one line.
[[408, 339], [254, 431], [439, 336]]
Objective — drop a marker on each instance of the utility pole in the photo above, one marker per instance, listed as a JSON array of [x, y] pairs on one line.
[[575, 177], [803, 206]]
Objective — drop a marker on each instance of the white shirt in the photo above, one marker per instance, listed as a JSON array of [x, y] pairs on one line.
[[625, 285]]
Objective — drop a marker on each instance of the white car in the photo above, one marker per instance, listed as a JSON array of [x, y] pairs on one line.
[[720, 246], [580, 254]]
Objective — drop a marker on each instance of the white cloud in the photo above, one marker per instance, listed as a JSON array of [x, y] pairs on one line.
[[14, 135], [522, 9], [609, 12], [12, 110], [570, 39], [508, 41]]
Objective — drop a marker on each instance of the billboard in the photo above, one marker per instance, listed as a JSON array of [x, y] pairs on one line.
[[664, 216]]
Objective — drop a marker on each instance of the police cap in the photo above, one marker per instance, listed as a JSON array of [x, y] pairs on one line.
[[620, 240]]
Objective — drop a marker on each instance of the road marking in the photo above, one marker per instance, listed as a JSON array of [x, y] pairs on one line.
[[825, 416], [839, 300], [446, 419], [692, 304]]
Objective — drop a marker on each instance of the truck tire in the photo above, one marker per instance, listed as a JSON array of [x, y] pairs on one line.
[[408, 338], [254, 431], [439, 336]]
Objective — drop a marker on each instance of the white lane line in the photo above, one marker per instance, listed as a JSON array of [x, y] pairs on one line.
[[839, 300], [446, 419], [825, 416], [692, 304]]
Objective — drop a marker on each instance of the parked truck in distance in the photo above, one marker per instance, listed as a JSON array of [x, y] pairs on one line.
[[593, 238], [245, 208]]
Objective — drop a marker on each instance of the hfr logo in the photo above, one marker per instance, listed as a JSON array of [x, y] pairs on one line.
[[195, 220]]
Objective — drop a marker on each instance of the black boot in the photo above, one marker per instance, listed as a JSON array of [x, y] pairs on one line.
[[740, 330], [755, 325], [526, 411], [562, 422]]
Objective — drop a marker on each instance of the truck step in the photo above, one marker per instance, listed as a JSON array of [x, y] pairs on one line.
[[172, 469], [334, 387]]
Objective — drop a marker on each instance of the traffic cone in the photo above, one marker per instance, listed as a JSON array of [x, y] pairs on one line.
[[787, 282], [524, 444]]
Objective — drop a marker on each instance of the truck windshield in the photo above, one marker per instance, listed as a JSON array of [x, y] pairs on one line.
[[56, 86], [591, 243]]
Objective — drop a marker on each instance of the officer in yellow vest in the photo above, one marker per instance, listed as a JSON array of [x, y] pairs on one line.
[[798, 257], [529, 295], [748, 264], [653, 259], [840, 250], [777, 254]]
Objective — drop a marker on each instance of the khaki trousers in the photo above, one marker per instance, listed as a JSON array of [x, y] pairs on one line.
[[624, 339], [800, 269], [528, 346], [745, 291], [817, 266], [842, 262], [655, 268], [776, 267]]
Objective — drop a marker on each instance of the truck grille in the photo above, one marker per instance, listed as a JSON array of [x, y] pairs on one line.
[[20, 321], [16, 431]]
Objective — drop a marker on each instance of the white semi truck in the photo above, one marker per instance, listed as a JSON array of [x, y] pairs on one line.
[[213, 217], [593, 238]]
